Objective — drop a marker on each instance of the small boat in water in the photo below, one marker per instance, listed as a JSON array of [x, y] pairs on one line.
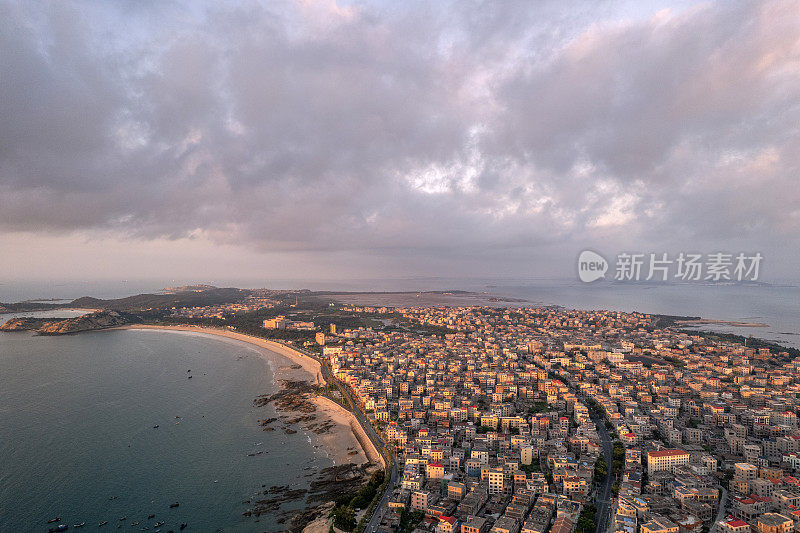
[[61, 527], [173, 505], [79, 525], [151, 516], [56, 519], [101, 524], [158, 524], [155, 427], [183, 526], [190, 377]]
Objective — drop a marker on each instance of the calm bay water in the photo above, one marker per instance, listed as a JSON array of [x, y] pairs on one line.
[[77, 437]]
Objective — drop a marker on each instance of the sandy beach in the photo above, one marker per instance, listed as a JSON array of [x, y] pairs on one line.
[[344, 439]]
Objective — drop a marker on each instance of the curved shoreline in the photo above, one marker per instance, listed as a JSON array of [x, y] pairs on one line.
[[311, 367]]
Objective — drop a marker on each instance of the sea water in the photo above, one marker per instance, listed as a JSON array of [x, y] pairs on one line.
[[78, 438]]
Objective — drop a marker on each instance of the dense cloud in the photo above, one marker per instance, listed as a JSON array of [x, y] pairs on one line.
[[426, 130]]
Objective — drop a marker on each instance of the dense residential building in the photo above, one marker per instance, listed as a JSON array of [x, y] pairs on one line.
[[497, 417]]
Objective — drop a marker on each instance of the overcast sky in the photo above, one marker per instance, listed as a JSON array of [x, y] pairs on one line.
[[316, 139]]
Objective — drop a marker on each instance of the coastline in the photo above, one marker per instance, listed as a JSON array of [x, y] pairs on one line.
[[709, 321], [345, 437], [311, 366]]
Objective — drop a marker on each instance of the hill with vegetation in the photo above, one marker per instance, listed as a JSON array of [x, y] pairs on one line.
[[192, 298]]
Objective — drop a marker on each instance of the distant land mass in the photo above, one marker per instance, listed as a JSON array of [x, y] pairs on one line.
[[189, 298], [245, 310], [187, 288], [236, 304], [206, 295], [28, 307]]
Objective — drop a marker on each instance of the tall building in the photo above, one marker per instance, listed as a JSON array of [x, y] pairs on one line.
[[665, 460], [526, 454], [496, 478]]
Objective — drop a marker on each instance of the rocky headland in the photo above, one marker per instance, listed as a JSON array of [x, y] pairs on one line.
[[64, 326]]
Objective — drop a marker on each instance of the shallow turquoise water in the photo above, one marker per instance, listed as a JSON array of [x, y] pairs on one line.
[[76, 429]]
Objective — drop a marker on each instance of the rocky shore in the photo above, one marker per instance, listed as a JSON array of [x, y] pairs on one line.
[[296, 405], [24, 324], [330, 484]]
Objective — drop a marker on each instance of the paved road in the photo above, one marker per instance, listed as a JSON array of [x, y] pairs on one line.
[[603, 497], [381, 509], [721, 511], [355, 408], [604, 492]]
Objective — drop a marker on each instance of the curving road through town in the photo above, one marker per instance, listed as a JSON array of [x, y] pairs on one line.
[[604, 494], [355, 408]]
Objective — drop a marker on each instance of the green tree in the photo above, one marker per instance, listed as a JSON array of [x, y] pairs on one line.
[[619, 458], [586, 521], [600, 469], [344, 517], [408, 521], [533, 467]]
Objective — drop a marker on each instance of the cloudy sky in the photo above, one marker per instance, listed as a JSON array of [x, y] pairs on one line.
[[325, 139]]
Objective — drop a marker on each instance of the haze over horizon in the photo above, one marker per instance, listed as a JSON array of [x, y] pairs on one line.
[[349, 140]]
